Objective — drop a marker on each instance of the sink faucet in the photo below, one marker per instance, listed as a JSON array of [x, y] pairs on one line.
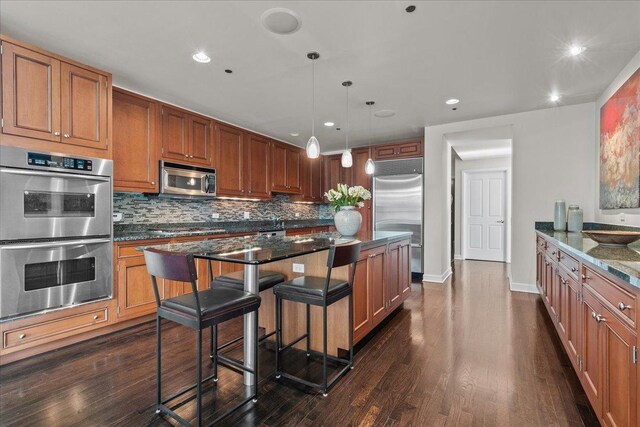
[[276, 220]]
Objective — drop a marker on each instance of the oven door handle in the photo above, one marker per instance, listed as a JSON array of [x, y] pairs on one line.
[[56, 244], [54, 174]]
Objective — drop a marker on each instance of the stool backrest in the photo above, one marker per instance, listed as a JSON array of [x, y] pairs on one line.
[[341, 255], [171, 266]]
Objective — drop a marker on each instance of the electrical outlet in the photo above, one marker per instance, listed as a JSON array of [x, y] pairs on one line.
[[298, 268], [297, 215], [118, 216], [215, 215], [247, 215]]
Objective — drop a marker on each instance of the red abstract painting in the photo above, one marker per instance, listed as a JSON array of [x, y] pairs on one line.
[[620, 147]]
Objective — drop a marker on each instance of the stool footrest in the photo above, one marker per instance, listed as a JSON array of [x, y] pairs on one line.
[[315, 385], [191, 387], [235, 340], [294, 342], [224, 360]]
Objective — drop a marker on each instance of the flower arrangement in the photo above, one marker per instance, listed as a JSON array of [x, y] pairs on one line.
[[344, 195]]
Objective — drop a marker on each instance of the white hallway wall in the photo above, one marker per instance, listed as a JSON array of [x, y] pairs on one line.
[[463, 165], [553, 158], [612, 216]]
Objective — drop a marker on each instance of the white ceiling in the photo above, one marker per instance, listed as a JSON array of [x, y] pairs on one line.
[[496, 57], [482, 143]]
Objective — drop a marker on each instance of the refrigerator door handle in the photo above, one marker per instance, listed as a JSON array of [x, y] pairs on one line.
[[416, 245]]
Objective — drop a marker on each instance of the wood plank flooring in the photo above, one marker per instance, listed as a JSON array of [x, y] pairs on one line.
[[467, 353]]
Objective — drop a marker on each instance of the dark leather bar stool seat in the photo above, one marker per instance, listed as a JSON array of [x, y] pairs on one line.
[[198, 310], [321, 292], [266, 280]]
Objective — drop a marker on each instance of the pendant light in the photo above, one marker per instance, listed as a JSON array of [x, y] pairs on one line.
[[347, 159], [313, 146], [369, 166]]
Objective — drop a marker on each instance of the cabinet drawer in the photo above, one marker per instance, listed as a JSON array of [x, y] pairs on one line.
[[552, 251], [541, 243], [623, 302], [570, 263], [54, 329]]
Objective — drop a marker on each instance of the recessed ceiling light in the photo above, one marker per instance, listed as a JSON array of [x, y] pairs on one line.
[[452, 101], [554, 97], [281, 21], [575, 50], [294, 134], [201, 57], [329, 124], [384, 113]]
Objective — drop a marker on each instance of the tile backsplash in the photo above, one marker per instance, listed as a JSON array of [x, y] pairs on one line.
[[149, 209]]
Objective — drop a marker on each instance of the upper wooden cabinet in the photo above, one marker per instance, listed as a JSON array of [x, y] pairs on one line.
[[257, 160], [311, 180], [47, 98], [230, 164], [399, 150], [285, 168], [134, 132], [334, 173], [186, 138], [360, 177]]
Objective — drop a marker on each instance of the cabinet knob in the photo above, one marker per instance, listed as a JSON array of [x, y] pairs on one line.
[[573, 269], [553, 253], [22, 336], [546, 262], [191, 157], [594, 315], [153, 183], [56, 134], [564, 281], [96, 317], [585, 277], [622, 307], [600, 319], [66, 135], [186, 155]]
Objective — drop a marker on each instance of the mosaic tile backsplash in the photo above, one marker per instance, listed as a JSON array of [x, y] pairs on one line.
[[148, 209]]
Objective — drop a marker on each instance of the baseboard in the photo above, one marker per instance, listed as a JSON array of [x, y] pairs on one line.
[[523, 287], [458, 257], [434, 278]]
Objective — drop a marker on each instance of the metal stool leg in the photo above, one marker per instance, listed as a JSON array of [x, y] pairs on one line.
[[214, 340], [199, 383], [256, 363], [278, 334], [324, 350], [158, 363], [351, 329], [308, 330]]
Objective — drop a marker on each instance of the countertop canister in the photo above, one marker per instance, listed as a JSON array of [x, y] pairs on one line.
[[560, 216], [575, 218]]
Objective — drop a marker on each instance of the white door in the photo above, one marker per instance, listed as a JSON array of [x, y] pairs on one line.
[[484, 216]]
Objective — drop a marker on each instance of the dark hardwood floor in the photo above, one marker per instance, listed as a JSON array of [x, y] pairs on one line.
[[466, 353]]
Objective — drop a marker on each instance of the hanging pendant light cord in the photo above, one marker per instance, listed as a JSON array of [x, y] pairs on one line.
[[347, 139], [313, 97], [370, 126]]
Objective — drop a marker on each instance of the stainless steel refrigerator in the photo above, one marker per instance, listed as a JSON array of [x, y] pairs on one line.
[[398, 202]]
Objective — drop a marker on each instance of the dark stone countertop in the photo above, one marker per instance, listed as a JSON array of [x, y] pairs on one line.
[[265, 249], [132, 232], [622, 262]]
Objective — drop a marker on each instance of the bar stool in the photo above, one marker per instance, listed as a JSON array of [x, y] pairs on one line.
[[322, 292], [199, 310], [235, 280]]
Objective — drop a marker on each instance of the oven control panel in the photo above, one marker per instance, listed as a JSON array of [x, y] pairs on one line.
[[47, 160]]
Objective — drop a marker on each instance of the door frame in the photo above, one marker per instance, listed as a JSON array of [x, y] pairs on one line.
[[507, 211]]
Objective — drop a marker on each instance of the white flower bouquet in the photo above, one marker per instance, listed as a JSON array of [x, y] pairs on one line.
[[344, 195]]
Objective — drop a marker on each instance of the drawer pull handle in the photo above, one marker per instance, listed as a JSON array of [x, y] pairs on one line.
[[96, 317], [66, 135], [585, 277], [600, 319], [564, 281], [574, 270], [622, 307], [594, 315], [22, 336], [56, 133], [553, 253]]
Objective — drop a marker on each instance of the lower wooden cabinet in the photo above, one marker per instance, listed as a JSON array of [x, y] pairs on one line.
[[595, 319], [309, 230]]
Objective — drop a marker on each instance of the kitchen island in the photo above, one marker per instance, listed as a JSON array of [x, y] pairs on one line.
[[381, 284]]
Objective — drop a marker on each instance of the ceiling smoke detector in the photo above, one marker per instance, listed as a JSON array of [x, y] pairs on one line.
[[281, 21], [384, 113]]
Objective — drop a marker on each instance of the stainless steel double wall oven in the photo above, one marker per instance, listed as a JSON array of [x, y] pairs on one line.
[[55, 231]]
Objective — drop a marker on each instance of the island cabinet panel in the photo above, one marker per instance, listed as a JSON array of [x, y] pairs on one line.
[[377, 268], [405, 270], [135, 150], [394, 285], [230, 165], [362, 321], [49, 99], [258, 159]]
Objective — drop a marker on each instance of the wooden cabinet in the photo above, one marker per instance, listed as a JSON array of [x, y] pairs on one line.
[[230, 165], [134, 132], [312, 184], [570, 315], [398, 150], [257, 162], [334, 173], [369, 307], [405, 269], [285, 168], [46, 97], [360, 177], [393, 285], [186, 138], [308, 230]]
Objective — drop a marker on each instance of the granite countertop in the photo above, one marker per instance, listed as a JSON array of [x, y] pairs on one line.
[[265, 249], [622, 262], [131, 232]]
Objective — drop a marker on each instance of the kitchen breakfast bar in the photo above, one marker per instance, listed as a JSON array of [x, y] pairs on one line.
[[381, 283]]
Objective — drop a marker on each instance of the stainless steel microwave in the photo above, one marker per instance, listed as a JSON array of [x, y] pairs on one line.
[[184, 180]]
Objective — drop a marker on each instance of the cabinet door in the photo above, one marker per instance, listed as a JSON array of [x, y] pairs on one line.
[[539, 271], [334, 173], [619, 372], [229, 161], [294, 160], [405, 270], [315, 176], [84, 104], [305, 178], [393, 281], [591, 350], [400, 150], [258, 159], [361, 304], [572, 310], [562, 293], [359, 177], [376, 276], [30, 94], [279, 167], [135, 290], [384, 152], [175, 138], [134, 131], [201, 145], [548, 283]]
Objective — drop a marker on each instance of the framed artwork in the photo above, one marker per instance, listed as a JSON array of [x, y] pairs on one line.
[[620, 147]]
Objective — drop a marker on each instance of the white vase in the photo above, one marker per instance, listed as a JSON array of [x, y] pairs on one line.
[[348, 220]]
